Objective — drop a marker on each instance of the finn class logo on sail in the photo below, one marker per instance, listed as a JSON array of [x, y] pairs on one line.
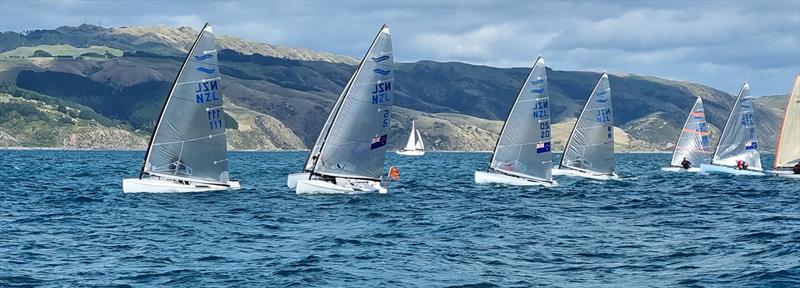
[[380, 59], [204, 57], [206, 70], [601, 96], [537, 89], [381, 71]]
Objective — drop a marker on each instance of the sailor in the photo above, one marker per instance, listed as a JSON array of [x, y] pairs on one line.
[[739, 164], [796, 168], [686, 164]]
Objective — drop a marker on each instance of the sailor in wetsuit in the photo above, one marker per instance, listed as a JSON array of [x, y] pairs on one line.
[[796, 168], [686, 164], [741, 165]]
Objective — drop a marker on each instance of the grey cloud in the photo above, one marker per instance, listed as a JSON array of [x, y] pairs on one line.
[[715, 42]]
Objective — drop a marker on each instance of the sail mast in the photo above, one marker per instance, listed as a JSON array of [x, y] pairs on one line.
[[510, 110], [683, 129], [166, 101], [346, 93], [792, 113], [572, 133], [329, 121], [730, 115]]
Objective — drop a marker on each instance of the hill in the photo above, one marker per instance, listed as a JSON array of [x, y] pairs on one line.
[[281, 102]]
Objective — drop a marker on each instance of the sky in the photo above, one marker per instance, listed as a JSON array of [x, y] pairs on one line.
[[716, 43]]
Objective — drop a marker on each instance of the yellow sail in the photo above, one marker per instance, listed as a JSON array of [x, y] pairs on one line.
[[788, 152]]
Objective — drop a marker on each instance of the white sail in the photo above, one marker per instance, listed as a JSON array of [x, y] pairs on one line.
[[739, 140], [590, 147], [411, 144], [523, 147], [356, 140], [188, 142], [787, 153], [693, 143], [419, 145]]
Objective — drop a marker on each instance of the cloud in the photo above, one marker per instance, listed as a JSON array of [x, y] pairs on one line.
[[475, 44], [715, 43]]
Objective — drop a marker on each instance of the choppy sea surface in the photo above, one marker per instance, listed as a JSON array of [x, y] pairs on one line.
[[65, 222]]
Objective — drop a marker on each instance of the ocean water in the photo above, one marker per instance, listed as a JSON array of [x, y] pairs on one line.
[[65, 222]]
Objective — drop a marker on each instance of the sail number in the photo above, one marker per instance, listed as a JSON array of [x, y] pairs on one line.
[[701, 127], [206, 92], [604, 115], [381, 94], [544, 128], [541, 109], [747, 119], [215, 118], [385, 117]]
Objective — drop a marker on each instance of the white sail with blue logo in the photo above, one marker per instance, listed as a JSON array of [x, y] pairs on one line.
[[189, 139], [590, 147], [357, 137], [693, 142], [739, 140], [523, 148]]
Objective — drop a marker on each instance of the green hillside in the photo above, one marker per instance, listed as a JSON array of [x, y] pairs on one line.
[[30, 119], [289, 99], [64, 50]]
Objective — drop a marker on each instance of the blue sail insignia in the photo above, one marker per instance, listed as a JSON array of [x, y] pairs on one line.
[[381, 71], [206, 70], [204, 57], [380, 59]]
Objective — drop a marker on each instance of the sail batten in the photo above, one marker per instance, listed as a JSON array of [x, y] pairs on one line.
[[739, 140], [189, 140], [693, 142], [590, 146], [356, 140], [787, 153], [523, 146]]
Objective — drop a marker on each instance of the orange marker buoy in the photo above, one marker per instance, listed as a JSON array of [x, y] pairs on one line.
[[394, 173]]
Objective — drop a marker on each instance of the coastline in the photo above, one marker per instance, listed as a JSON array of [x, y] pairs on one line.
[[279, 151]]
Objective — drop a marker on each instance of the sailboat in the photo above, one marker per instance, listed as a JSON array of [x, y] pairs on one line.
[[188, 152], [590, 148], [414, 145], [352, 147], [738, 141], [787, 153], [522, 154], [692, 143]]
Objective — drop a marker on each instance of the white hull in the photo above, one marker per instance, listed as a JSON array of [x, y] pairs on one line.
[[681, 170], [711, 168], [482, 177], [576, 173], [155, 185], [292, 179], [342, 186], [785, 174], [411, 152]]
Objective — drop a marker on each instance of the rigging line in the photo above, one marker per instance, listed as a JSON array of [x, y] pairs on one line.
[[199, 81], [190, 140], [535, 99], [522, 144]]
